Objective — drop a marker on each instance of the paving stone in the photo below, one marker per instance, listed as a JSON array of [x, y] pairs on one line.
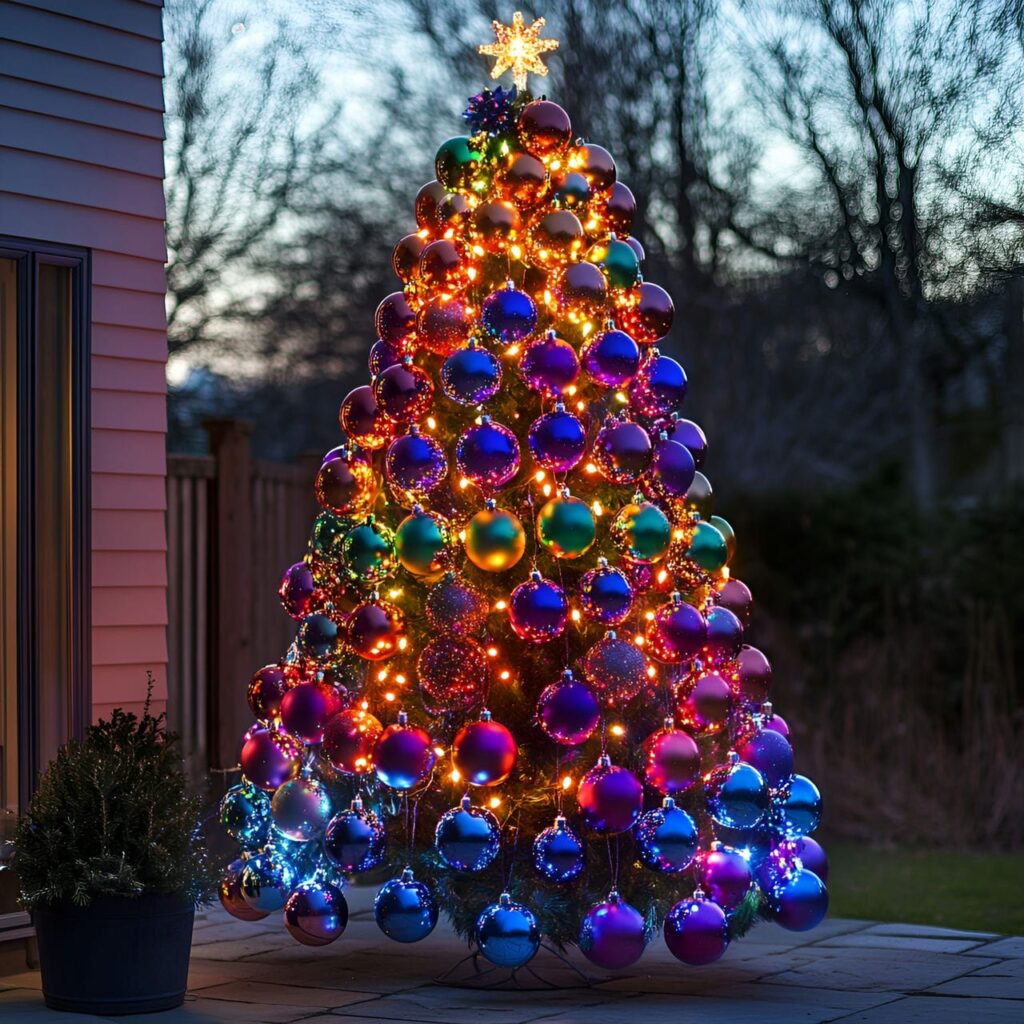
[[867, 940], [939, 1010], [204, 973], [222, 931], [268, 994], [1011, 947], [929, 931], [985, 986], [19, 1004]]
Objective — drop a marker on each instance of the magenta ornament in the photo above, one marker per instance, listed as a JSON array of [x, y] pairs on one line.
[[395, 320], [296, 590], [266, 691], [610, 798], [735, 595], [568, 711], [673, 760], [771, 754], [404, 755], [382, 355], [488, 454], [705, 707], [755, 675], [676, 633], [696, 931], [724, 875], [484, 752], [270, 759], [812, 856], [688, 433], [538, 610], [316, 913], [613, 934], [306, 708], [404, 392], [549, 365]]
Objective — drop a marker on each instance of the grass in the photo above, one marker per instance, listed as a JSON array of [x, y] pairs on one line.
[[973, 891]]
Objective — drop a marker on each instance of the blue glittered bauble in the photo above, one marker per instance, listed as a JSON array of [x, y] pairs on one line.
[[316, 913], [509, 314], [568, 711], [405, 910], [549, 365], [355, 840], [607, 595], [317, 636], [610, 798], [558, 853], [488, 454], [467, 837], [245, 815], [613, 934], [696, 931], [799, 810], [667, 838], [799, 902], [660, 386], [265, 882], [538, 610], [771, 754], [737, 795], [557, 440], [301, 809], [471, 376], [611, 358], [615, 670], [415, 464], [507, 933]]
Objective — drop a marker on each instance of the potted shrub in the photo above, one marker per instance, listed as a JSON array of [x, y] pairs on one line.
[[111, 865]]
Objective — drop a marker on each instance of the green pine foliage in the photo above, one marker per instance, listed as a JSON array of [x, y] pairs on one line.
[[112, 817]]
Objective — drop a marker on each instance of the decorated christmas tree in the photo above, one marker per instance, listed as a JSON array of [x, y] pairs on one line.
[[519, 688]]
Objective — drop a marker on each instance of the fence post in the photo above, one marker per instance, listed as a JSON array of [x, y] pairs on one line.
[[230, 601]]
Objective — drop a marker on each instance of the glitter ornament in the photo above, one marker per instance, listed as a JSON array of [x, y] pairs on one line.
[[606, 594], [405, 910], [610, 798], [799, 811], [368, 553], [270, 758], [405, 257], [265, 882], [457, 162], [404, 393], [296, 590], [316, 913], [544, 128], [672, 469], [453, 606], [301, 809], [375, 630], [549, 365], [229, 890], [568, 711], [452, 673], [613, 934], [676, 633], [443, 324], [708, 548], [566, 527], [615, 670], [471, 376], [415, 464], [491, 111], [395, 321], [404, 755], [648, 317], [672, 760], [755, 675], [488, 454], [771, 754], [346, 483], [704, 705], [724, 875], [422, 543], [618, 261], [495, 539], [484, 752], [736, 794], [800, 902], [307, 708], [667, 838], [557, 440], [659, 387], [349, 740], [642, 532], [509, 314], [266, 691], [611, 358], [538, 610], [361, 419], [507, 933], [580, 286], [245, 815], [696, 931], [468, 838], [558, 853], [622, 451], [317, 636], [355, 840]]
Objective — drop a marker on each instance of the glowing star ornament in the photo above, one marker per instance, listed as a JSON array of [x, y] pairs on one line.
[[518, 48]]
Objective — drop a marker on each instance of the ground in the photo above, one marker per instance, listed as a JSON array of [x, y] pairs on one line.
[[847, 970]]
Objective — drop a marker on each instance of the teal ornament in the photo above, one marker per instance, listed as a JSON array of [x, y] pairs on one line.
[[245, 815], [618, 261], [708, 548], [457, 162], [368, 553]]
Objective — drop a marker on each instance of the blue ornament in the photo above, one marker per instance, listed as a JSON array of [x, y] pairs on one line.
[[558, 853], [613, 934], [317, 636], [302, 859], [612, 358], [507, 933], [667, 838], [301, 809], [799, 810], [266, 881], [557, 440], [568, 711], [245, 815], [509, 314], [660, 386], [471, 376], [799, 902], [491, 111], [405, 910], [607, 594], [316, 913], [488, 454], [754, 843], [415, 463], [538, 610], [737, 795], [355, 839], [467, 837], [769, 752], [672, 469]]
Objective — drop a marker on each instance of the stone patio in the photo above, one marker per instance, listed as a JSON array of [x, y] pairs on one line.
[[850, 971]]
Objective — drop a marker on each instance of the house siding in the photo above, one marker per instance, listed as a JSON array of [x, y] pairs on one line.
[[81, 163]]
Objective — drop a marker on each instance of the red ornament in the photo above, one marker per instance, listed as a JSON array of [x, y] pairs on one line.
[[346, 483], [544, 127], [405, 257], [270, 758], [375, 630], [349, 740], [395, 321], [649, 317], [426, 203], [484, 752], [452, 673]]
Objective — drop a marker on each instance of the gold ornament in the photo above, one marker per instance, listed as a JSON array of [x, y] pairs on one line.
[[518, 48]]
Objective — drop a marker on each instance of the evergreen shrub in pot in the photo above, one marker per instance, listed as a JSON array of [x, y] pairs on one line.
[[111, 865]]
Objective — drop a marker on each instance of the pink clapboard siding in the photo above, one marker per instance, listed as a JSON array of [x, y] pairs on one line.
[[81, 163]]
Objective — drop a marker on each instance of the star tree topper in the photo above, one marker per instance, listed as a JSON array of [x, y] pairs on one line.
[[519, 48]]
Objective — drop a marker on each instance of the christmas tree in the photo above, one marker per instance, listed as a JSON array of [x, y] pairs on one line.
[[519, 686]]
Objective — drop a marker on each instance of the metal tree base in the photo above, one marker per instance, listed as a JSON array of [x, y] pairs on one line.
[[475, 972]]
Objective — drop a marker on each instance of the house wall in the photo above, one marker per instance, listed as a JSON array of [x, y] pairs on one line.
[[81, 163]]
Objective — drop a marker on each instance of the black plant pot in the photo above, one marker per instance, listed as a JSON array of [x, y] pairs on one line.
[[116, 955]]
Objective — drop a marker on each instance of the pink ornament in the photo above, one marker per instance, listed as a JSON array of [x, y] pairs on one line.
[[704, 708], [270, 759], [610, 798], [673, 760], [306, 708]]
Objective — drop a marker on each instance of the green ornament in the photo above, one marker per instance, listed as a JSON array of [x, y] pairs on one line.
[[327, 533], [566, 527], [421, 543], [368, 552], [724, 527], [699, 498], [457, 162], [708, 548], [618, 261], [642, 532]]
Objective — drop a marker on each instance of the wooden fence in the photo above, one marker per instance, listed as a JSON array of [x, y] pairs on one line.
[[234, 523]]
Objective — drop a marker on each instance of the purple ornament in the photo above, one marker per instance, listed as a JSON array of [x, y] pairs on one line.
[[622, 451], [705, 708], [613, 934], [395, 320], [266, 691], [688, 433], [488, 454], [610, 798], [415, 463], [799, 902], [725, 636], [355, 840], [673, 760], [812, 856], [383, 355], [316, 913], [306, 708], [296, 590], [317, 636], [612, 358], [615, 670], [549, 365], [725, 875], [736, 596], [676, 633], [672, 469], [696, 931], [509, 314], [770, 753], [404, 392], [606, 594], [755, 674], [659, 387], [557, 440], [567, 711], [404, 755], [270, 759], [774, 721], [538, 610], [471, 376]]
